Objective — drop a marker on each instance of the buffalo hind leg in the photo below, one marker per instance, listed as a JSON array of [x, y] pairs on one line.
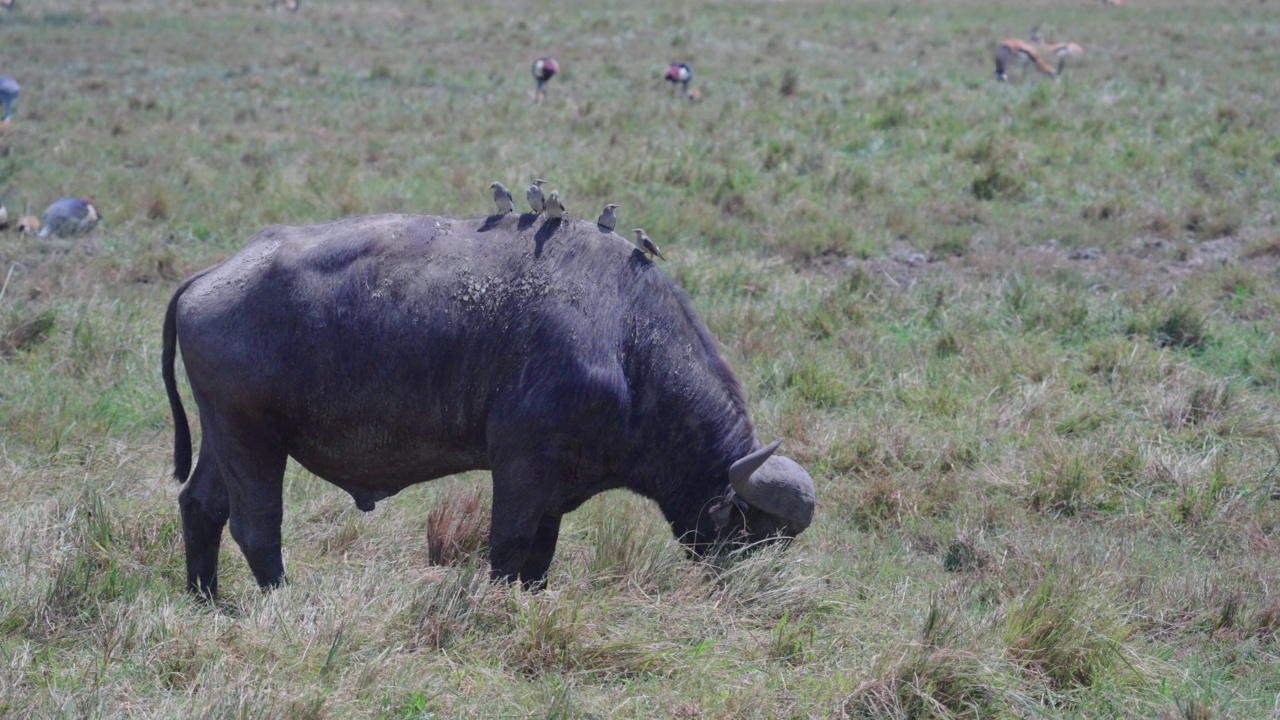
[[253, 463], [204, 507]]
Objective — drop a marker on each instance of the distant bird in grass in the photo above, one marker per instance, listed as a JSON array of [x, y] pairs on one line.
[[28, 224], [534, 196], [70, 216], [1023, 53], [608, 220], [646, 244], [555, 208], [544, 68], [4, 217], [680, 73], [290, 5], [1063, 51], [8, 93], [502, 198]]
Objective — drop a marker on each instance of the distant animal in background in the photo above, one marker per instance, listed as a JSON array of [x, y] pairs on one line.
[[7, 4], [290, 5], [1113, 3], [70, 216], [1022, 52], [4, 217], [28, 224], [502, 198], [8, 93], [1063, 51], [679, 73], [544, 68]]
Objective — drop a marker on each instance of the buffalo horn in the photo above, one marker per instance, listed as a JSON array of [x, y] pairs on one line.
[[776, 485]]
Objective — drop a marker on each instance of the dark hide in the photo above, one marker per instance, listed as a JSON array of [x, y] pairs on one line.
[[389, 350]]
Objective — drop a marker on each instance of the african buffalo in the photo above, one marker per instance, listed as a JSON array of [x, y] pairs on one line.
[[384, 351]]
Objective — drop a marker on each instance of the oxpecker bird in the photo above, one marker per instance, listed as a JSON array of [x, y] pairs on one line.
[[69, 216], [8, 93], [544, 68], [607, 219], [680, 73], [555, 208], [645, 244], [534, 196], [502, 198]]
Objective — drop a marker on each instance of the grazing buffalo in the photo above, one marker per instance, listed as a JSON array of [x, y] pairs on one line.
[[384, 351]]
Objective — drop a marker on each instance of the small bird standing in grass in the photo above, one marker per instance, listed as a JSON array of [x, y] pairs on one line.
[[555, 208], [8, 93], [28, 224], [534, 196], [646, 244], [544, 68], [502, 198], [608, 220], [69, 216], [680, 73]]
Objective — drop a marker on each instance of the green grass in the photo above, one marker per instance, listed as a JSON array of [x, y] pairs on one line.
[[1023, 335]]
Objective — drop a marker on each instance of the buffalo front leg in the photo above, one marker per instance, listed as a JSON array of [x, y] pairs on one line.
[[533, 574], [204, 507], [522, 538]]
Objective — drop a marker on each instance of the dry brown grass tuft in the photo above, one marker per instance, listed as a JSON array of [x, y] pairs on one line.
[[457, 526], [21, 334]]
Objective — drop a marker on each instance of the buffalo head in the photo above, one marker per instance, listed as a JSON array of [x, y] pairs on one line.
[[769, 496]]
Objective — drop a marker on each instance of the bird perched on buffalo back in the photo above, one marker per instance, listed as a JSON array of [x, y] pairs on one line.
[[555, 209], [646, 244], [69, 216], [8, 93], [544, 68], [608, 219], [502, 198], [680, 73], [534, 196]]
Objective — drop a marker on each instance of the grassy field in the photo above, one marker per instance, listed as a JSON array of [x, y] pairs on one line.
[[1023, 335]]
